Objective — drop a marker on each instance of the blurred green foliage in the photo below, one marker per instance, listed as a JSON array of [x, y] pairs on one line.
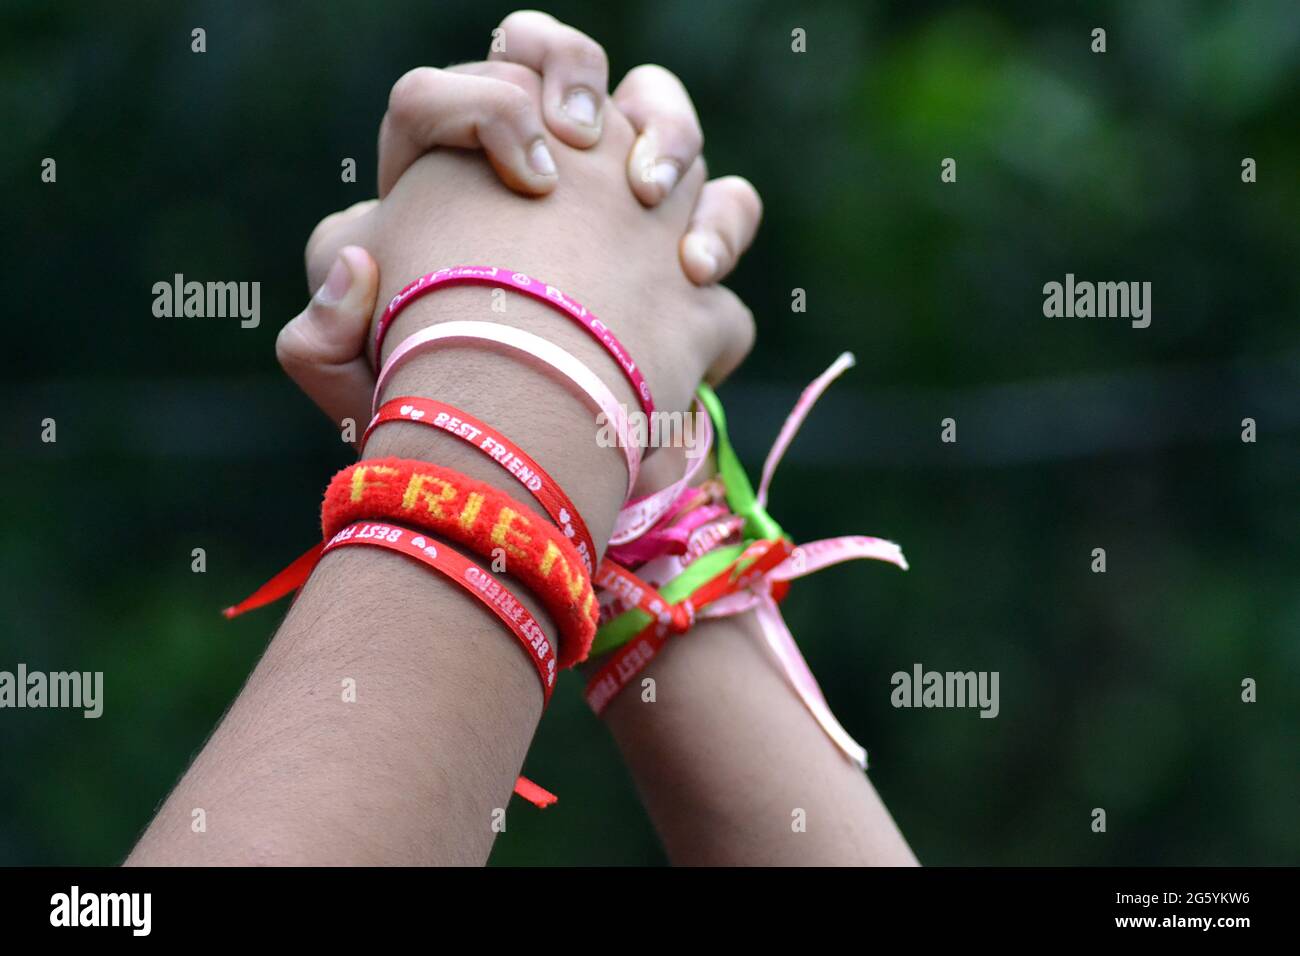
[[1118, 690]]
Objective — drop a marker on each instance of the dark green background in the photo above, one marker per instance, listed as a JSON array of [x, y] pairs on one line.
[[1119, 690]]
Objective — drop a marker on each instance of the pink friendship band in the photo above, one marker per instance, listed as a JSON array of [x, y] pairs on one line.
[[519, 282], [708, 527], [642, 514], [547, 353], [713, 533], [807, 398], [807, 559]]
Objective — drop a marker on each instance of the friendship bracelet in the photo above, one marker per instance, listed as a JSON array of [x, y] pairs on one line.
[[619, 584], [491, 593], [640, 515], [698, 527], [717, 527], [468, 576], [587, 382], [519, 282], [627, 661], [453, 565], [711, 579], [479, 516], [505, 453]]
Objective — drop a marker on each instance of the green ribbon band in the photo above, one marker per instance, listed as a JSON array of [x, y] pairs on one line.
[[759, 525]]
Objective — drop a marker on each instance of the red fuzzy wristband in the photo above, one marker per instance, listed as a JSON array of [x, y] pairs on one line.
[[512, 459], [484, 519]]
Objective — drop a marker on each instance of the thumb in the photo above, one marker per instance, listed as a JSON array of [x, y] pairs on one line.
[[323, 348]]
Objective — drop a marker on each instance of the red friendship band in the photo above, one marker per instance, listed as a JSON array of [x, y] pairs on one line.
[[519, 282], [621, 586], [446, 561], [467, 575], [623, 664], [493, 595], [479, 516], [501, 450]]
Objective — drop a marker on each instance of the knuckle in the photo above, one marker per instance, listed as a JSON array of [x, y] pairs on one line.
[[583, 52], [408, 91], [511, 105], [742, 194], [317, 237], [745, 329], [653, 73], [288, 347], [506, 71], [682, 131], [523, 20], [734, 330], [472, 67]]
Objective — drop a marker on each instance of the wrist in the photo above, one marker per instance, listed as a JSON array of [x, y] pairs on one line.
[[546, 418], [606, 251]]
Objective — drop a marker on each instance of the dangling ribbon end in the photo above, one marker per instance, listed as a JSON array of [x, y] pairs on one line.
[[887, 551], [846, 360], [539, 797], [285, 582], [898, 557]]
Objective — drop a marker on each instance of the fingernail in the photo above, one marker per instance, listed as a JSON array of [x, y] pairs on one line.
[[539, 157], [336, 283], [580, 106], [664, 173], [698, 250]]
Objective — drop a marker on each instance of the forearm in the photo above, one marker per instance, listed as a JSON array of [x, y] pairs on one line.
[[446, 699], [726, 755], [445, 705]]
